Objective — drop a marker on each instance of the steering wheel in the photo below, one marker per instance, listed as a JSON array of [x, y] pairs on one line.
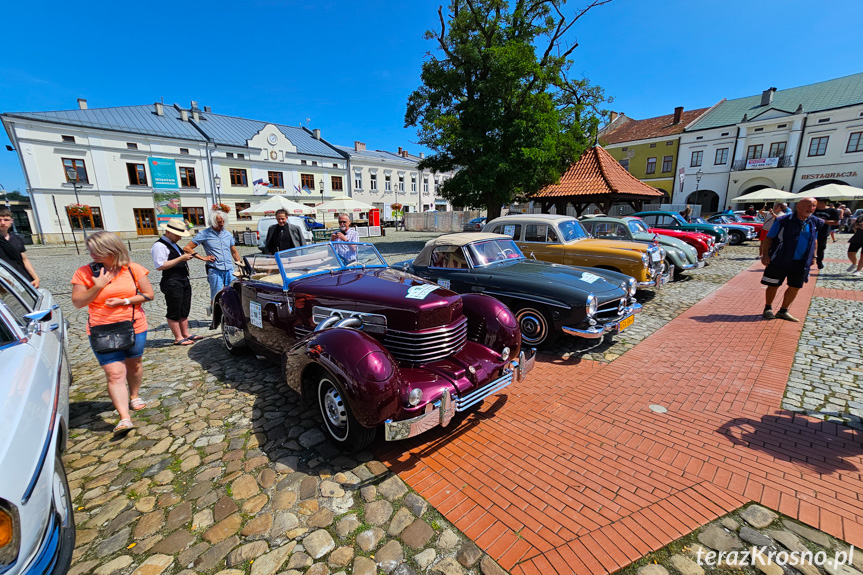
[[508, 253]]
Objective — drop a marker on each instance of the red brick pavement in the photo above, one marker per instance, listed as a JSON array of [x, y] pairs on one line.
[[571, 472]]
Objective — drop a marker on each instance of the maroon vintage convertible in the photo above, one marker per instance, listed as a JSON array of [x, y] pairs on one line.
[[372, 346]]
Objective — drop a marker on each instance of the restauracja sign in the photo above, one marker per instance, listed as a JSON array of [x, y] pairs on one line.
[[828, 176]]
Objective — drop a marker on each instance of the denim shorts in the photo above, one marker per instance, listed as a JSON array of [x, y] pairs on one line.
[[136, 350]]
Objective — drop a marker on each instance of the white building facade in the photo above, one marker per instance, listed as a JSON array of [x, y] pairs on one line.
[[792, 140], [117, 158]]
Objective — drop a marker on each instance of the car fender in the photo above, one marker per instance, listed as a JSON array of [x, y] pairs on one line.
[[492, 323], [229, 305], [365, 370]]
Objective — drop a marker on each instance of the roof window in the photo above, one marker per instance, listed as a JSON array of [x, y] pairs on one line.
[[652, 145], [724, 134], [132, 145], [241, 156], [229, 154], [823, 120], [184, 151], [699, 137], [780, 126], [68, 139], [758, 130], [669, 143]]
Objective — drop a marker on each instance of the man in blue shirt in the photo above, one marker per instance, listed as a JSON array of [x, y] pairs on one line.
[[788, 252], [219, 245]]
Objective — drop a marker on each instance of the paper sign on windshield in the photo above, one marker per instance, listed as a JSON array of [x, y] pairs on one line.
[[255, 314], [509, 230], [421, 291], [443, 283]]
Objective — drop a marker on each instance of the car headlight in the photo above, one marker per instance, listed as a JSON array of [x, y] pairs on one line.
[[645, 260], [590, 305], [504, 354], [662, 253], [416, 396], [633, 286], [10, 533]]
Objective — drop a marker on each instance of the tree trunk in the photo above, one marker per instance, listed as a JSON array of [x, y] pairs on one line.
[[492, 208]]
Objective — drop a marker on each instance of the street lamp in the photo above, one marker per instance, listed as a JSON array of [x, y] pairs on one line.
[[72, 175], [698, 176], [217, 180]]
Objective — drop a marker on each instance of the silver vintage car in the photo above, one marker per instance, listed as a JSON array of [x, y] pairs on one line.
[[37, 527]]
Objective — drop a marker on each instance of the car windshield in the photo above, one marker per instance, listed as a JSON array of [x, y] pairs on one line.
[[637, 226], [698, 221], [490, 251], [315, 259], [571, 230]]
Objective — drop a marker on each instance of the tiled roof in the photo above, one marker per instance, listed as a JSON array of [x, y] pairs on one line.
[[658, 127], [597, 173], [131, 119], [223, 130], [827, 95]]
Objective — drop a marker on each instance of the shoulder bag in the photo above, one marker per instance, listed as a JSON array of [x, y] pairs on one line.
[[117, 336]]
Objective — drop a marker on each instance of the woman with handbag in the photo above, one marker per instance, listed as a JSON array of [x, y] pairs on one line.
[[113, 289]]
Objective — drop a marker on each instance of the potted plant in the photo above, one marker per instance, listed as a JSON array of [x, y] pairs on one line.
[[221, 208], [79, 210]]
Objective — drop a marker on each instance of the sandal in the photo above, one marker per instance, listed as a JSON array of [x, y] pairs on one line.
[[137, 404], [195, 337], [186, 341], [124, 425]]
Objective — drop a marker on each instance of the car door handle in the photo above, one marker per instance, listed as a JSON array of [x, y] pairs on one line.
[[54, 327], [55, 306]]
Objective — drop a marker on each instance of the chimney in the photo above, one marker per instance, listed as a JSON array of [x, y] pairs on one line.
[[678, 114], [317, 133], [194, 105], [613, 116], [160, 108], [767, 96], [208, 109], [400, 150], [422, 155], [359, 146], [404, 153], [184, 115], [82, 103], [196, 114]]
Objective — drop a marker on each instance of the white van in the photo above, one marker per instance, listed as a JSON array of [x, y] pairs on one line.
[[267, 221]]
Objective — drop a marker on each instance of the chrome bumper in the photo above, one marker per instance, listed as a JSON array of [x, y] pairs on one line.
[[660, 279], [696, 265], [598, 331], [443, 410]]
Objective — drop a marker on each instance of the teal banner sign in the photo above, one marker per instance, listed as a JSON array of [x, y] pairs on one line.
[[164, 173]]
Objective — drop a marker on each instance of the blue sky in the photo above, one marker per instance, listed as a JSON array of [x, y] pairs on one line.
[[349, 66]]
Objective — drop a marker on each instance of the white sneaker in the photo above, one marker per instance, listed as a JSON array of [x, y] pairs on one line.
[[851, 268], [857, 273]]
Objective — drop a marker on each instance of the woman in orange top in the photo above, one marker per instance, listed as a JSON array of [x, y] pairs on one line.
[[112, 295]]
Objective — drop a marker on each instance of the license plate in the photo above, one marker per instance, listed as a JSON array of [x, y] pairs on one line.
[[655, 256], [626, 323]]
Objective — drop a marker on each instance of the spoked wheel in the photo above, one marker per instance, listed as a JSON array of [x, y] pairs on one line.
[[536, 327], [234, 338], [342, 427], [735, 238]]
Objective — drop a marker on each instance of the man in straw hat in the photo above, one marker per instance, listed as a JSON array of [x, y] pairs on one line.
[[172, 261]]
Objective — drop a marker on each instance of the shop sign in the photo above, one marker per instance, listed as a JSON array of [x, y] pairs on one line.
[[760, 163], [164, 173], [828, 176]]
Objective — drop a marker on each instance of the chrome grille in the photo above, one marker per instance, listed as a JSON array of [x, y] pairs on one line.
[[427, 345], [609, 310]]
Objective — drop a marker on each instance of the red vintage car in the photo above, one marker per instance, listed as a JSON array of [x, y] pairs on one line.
[[370, 346], [704, 243]]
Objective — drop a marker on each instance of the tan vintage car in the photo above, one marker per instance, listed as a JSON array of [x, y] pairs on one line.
[[562, 240]]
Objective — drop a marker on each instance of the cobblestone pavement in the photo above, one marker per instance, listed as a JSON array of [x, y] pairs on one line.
[[781, 541], [227, 469], [826, 379]]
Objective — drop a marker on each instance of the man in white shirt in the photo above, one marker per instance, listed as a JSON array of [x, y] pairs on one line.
[[172, 261], [346, 234]]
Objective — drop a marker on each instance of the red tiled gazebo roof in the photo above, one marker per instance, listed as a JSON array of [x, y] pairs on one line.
[[598, 174]]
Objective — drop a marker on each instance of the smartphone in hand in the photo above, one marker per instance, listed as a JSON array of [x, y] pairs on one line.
[[96, 268]]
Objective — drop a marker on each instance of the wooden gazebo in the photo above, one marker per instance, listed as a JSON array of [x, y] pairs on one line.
[[596, 178]]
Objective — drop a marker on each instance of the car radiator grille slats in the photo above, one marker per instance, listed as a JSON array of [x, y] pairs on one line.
[[608, 311], [428, 345]]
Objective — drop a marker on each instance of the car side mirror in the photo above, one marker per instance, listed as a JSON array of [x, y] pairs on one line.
[[405, 267], [35, 319]]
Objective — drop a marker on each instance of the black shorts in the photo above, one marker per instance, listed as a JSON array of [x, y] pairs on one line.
[[854, 247], [795, 273], [178, 297]]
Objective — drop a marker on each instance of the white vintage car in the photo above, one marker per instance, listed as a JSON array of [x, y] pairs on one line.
[[37, 526]]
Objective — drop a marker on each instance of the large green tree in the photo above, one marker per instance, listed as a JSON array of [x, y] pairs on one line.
[[497, 103]]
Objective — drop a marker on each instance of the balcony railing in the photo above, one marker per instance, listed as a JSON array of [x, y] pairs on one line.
[[781, 162]]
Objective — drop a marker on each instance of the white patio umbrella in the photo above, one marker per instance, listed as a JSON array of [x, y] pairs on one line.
[[764, 195], [274, 203], [343, 205], [833, 192]]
